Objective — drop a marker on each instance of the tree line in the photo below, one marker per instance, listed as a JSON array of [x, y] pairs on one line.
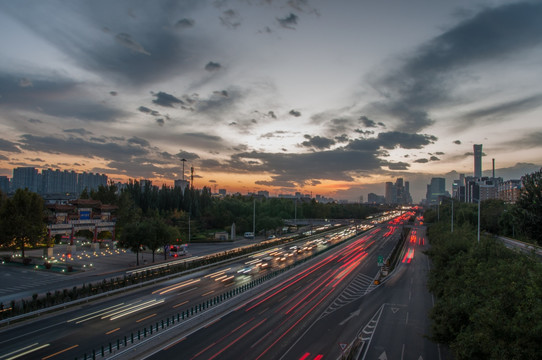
[[150, 217], [488, 297]]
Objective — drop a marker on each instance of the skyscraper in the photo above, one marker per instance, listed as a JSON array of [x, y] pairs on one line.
[[477, 161]]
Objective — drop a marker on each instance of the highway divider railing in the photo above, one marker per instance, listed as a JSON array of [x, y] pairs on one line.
[[159, 326], [60, 299]]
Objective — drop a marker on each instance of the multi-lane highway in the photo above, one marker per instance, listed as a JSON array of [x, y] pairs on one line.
[[304, 313]]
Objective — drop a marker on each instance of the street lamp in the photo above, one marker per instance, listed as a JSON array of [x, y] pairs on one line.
[[478, 220], [452, 215]]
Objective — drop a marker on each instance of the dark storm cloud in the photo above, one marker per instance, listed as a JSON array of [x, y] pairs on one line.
[[426, 78], [457, 142], [343, 138], [434, 158], [391, 139], [421, 161], [219, 102], [79, 131], [503, 110], [127, 41], [364, 132], [136, 168], [527, 141], [80, 147], [288, 22], [149, 111], [9, 146], [212, 66], [137, 50], [294, 113], [55, 96], [187, 155], [2, 157], [230, 18], [272, 114], [318, 142], [160, 122], [113, 93], [165, 99], [185, 23], [138, 141], [301, 169], [398, 166], [368, 123]]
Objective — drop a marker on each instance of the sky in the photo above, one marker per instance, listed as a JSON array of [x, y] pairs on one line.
[[320, 97]]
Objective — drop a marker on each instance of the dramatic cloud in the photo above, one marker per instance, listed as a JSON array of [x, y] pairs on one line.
[[127, 41], [146, 110], [501, 111], [398, 166], [185, 23], [318, 142], [79, 131], [56, 96], [8, 146], [294, 113], [368, 123], [165, 99], [80, 147], [230, 19], [212, 66], [425, 79], [138, 141], [288, 22], [187, 155]]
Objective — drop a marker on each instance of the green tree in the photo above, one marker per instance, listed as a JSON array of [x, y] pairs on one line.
[[132, 239], [105, 194], [21, 220], [165, 235], [528, 211]]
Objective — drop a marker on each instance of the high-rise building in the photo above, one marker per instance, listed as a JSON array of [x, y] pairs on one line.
[[436, 189], [398, 193], [25, 178], [390, 193], [509, 190], [477, 161], [4, 184]]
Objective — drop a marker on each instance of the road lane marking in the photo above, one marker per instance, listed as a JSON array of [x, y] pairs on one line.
[[59, 352], [180, 304], [112, 331], [145, 318], [21, 349], [208, 293]]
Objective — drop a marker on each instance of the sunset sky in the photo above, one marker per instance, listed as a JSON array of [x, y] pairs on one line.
[[329, 97]]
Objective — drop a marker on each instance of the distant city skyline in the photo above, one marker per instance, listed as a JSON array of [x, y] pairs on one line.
[[330, 98]]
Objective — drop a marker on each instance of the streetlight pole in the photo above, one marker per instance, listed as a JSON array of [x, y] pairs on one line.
[[254, 219], [478, 221], [452, 215]]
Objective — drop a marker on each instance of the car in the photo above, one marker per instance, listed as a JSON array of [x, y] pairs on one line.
[[249, 235], [271, 237]]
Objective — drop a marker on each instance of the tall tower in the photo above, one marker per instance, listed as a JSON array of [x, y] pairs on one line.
[[477, 161]]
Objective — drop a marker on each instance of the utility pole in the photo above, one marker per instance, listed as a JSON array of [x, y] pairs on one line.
[[254, 219]]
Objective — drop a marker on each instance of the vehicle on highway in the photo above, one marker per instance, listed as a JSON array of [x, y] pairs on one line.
[[248, 235]]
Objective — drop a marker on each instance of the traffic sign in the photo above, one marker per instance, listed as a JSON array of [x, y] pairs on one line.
[[380, 260]]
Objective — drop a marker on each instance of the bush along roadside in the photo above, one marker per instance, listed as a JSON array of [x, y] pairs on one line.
[[488, 298]]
